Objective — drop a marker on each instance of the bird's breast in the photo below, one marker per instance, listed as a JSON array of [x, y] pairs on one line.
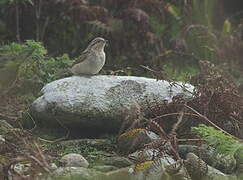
[[91, 65], [99, 58]]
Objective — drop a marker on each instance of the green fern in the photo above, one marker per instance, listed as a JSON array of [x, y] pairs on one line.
[[28, 62], [222, 143]]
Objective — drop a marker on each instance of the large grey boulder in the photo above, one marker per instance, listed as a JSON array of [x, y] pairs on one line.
[[98, 103]]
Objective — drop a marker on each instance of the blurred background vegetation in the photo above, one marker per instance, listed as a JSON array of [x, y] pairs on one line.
[[40, 38]]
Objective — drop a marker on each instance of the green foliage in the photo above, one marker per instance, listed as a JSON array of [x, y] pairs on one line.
[[139, 32], [92, 152], [28, 62], [175, 11], [182, 73], [53, 66], [80, 149], [222, 143], [226, 27], [157, 27]]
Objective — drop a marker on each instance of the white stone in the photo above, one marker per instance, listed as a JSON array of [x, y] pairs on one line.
[[100, 102], [74, 160]]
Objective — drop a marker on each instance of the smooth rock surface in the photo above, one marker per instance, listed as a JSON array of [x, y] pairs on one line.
[[75, 173], [98, 102], [74, 160]]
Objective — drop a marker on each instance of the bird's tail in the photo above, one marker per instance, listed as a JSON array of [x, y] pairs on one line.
[[64, 73]]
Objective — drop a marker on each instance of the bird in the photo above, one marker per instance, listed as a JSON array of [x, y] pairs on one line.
[[92, 59]]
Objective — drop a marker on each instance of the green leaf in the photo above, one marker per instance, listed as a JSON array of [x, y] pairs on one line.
[[173, 10], [226, 27]]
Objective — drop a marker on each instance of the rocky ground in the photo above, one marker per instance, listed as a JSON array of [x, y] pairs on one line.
[[95, 128]]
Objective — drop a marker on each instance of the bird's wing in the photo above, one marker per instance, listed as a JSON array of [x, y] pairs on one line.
[[81, 58]]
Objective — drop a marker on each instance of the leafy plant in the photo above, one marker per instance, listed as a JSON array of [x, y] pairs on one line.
[[53, 66], [222, 143], [28, 63]]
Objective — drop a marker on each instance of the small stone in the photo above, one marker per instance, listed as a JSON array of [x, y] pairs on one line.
[[22, 168], [53, 166], [74, 160]]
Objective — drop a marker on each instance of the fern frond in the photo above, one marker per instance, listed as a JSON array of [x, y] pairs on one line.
[[222, 143]]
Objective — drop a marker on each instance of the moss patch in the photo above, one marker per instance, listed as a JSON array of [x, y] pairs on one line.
[[92, 149], [142, 166]]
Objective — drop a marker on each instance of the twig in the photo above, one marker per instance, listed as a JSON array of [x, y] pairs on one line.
[[6, 117], [190, 140], [210, 122], [162, 134], [151, 70], [32, 129], [37, 16], [172, 114], [180, 118], [59, 139], [68, 131], [17, 21], [171, 139], [231, 117], [44, 28], [169, 80], [39, 163], [42, 156], [183, 87]]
